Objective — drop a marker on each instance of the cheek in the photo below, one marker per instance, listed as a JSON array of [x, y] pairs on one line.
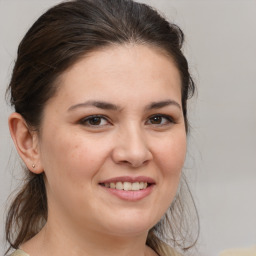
[[71, 165], [169, 157], [72, 157], [172, 153]]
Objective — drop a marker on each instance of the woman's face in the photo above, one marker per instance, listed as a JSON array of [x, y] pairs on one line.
[[112, 142]]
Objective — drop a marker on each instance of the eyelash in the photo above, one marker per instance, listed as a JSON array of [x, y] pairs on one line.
[[86, 121], [169, 119]]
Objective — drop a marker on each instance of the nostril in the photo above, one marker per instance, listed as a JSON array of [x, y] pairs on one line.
[[132, 155], [134, 164]]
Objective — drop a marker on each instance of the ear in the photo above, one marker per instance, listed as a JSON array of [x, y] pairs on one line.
[[26, 142]]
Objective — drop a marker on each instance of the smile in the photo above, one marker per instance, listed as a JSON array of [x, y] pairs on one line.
[[127, 186]]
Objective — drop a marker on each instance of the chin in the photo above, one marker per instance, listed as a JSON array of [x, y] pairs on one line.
[[131, 224]]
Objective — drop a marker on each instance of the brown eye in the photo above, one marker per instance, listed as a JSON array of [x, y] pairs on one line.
[[96, 121], [160, 120], [156, 120]]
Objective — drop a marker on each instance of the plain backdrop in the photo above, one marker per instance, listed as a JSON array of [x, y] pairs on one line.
[[221, 165]]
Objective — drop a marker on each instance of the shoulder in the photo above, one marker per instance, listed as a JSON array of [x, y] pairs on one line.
[[19, 253], [239, 252], [175, 253]]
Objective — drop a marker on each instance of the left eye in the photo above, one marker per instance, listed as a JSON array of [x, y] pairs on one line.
[[160, 120], [94, 121]]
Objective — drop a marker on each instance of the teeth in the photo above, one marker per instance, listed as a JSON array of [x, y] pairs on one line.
[[142, 184], [127, 186], [119, 185], [112, 185], [135, 186]]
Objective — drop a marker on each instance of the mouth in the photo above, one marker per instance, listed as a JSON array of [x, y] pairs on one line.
[[129, 188]]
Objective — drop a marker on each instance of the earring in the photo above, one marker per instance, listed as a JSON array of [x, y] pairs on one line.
[[33, 166]]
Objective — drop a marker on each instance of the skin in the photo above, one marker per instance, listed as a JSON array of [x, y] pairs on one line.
[[77, 153]]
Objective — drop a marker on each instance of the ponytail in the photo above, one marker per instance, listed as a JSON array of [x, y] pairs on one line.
[[28, 211]]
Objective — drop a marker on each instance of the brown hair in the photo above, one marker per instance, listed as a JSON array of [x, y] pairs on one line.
[[55, 42]]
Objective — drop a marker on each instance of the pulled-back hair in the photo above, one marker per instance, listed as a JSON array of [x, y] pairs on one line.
[[57, 40]]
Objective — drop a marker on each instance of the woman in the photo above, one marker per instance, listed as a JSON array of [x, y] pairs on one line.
[[100, 91]]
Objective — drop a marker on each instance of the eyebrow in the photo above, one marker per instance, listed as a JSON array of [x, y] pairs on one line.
[[110, 106], [97, 104], [161, 104]]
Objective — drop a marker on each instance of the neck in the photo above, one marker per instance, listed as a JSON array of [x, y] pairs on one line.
[[60, 240]]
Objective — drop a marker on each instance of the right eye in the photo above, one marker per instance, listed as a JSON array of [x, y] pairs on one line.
[[160, 120], [94, 121]]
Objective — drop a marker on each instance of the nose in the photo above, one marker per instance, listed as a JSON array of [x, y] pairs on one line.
[[131, 148]]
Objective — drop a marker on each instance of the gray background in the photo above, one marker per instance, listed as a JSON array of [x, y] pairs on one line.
[[221, 48]]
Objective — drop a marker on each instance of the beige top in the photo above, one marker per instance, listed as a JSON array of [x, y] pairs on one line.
[[234, 252], [19, 253], [239, 252]]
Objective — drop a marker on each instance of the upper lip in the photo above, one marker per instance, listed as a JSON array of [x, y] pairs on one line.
[[129, 179]]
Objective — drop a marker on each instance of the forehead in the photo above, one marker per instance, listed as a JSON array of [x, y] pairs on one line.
[[121, 69]]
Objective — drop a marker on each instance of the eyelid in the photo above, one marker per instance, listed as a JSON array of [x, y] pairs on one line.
[[88, 118], [84, 121], [170, 119]]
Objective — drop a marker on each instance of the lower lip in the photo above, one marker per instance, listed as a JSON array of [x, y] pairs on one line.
[[130, 195]]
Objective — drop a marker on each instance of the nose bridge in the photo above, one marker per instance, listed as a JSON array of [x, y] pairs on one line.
[[131, 146], [135, 138]]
